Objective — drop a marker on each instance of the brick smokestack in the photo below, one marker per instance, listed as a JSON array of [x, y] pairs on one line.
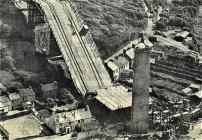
[[140, 97]]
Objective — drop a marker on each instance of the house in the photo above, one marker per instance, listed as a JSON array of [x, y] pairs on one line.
[[49, 90], [113, 70], [129, 55], [28, 96], [68, 121], [116, 66], [16, 100], [5, 105], [122, 63]]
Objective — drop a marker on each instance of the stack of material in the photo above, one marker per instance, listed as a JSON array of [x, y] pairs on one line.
[[42, 38]]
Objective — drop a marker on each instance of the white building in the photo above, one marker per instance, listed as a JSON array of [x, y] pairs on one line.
[[66, 122]]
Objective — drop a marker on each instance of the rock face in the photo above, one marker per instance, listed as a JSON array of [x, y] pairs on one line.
[[112, 22]]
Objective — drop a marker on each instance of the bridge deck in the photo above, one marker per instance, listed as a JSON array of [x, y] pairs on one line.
[[87, 69]]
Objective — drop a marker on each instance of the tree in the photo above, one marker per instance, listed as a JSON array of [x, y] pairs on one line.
[[160, 25]]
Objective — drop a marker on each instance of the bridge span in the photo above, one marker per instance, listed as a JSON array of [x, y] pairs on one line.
[[87, 69]]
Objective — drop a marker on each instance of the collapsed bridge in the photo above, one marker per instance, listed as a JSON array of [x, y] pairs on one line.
[[87, 70]]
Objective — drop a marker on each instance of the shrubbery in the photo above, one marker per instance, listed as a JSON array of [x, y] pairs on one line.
[[112, 22]]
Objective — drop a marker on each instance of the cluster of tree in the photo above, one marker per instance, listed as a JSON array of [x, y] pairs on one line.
[[112, 22], [178, 22]]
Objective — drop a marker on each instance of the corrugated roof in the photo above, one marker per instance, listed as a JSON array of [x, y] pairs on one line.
[[112, 66], [14, 96], [115, 98]]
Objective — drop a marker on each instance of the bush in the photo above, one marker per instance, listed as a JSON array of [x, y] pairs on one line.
[[160, 25]]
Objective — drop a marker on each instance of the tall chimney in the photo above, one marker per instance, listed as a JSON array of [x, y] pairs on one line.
[[140, 97]]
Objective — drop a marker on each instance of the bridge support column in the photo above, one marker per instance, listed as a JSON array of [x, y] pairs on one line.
[[42, 38], [35, 14]]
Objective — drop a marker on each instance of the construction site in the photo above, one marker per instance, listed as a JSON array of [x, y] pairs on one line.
[[55, 83]]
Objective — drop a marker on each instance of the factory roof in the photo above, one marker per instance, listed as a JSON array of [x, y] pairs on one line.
[[115, 98], [112, 66], [75, 115], [120, 61], [14, 96]]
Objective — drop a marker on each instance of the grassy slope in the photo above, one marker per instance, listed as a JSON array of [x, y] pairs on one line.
[[18, 61], [111, 21]]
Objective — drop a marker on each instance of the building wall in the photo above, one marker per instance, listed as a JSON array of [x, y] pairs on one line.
[[60, 128], [116, 74], [50, 93], [16, 104], [6, 109], [72, 125], [140, 102], [31, 98]]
